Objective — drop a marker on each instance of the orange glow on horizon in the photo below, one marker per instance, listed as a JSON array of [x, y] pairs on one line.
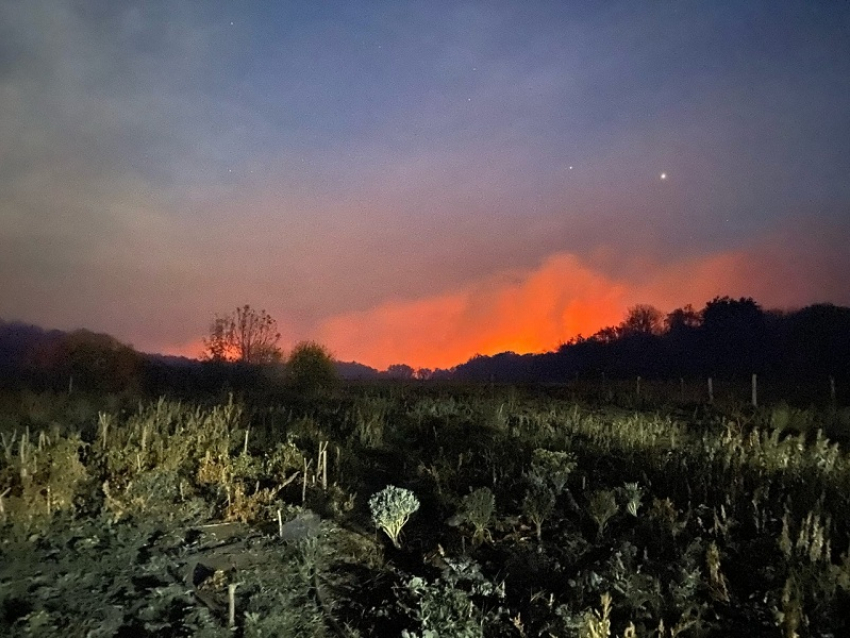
[[537, 309], [191, 350], [520, 312], [534, 311]]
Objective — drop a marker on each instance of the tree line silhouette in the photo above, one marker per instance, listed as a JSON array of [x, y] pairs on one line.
[[727, 339]]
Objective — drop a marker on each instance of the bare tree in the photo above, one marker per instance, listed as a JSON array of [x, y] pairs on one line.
[[244, 335]]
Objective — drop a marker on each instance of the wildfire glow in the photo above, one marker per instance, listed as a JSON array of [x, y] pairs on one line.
[[527, 312], [536, 309]]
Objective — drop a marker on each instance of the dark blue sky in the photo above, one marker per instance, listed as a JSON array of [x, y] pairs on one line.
[[418, 181]]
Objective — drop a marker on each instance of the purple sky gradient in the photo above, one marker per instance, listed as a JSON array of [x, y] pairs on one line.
[[417, 181]]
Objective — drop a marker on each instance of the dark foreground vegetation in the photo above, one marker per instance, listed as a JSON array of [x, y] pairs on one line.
[[686, 475], [423, 509]]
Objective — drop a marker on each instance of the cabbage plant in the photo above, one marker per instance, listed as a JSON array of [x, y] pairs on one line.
[[391, 508]]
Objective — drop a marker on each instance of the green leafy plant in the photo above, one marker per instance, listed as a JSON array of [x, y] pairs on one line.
[[391, 508], [477, 510], [552, 467], [717, 583], [601, 506], [632, 494], [538, 504], [597, 623], [667, 517], [41, 475], [369, 416], [442, 610]]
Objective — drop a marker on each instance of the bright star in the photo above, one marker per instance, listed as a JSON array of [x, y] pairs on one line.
[[663, 175]]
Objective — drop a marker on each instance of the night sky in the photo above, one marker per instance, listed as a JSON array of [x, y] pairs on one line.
[[418, 182]]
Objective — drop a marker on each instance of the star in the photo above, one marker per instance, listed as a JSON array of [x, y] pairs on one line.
[[663, 175]]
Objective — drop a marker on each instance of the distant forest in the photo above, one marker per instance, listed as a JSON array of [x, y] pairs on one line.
[[727, 339]]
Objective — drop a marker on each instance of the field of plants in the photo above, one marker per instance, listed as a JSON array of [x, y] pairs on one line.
[[423, 510]]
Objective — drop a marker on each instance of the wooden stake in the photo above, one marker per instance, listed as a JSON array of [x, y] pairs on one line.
[[323, 463], [231, 607], [2, 508]]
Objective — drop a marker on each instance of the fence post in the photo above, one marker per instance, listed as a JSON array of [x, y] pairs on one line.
[[231, 606], [322, 463], [710, 391]]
